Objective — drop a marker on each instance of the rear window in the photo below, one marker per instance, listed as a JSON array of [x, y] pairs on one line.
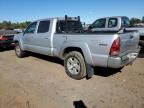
[[43, 26], [68, 26], [112, 22]]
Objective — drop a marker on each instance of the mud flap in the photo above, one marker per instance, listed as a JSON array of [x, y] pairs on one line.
[[90, 71]]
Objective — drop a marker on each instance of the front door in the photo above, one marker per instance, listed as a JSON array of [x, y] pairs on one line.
[[41, 40], [28, 36]]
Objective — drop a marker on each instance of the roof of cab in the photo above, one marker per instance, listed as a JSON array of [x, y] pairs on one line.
[[114, 17], [57, 18]]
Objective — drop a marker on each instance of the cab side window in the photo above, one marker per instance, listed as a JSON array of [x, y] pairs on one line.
[[112, 22], [31, 28], [99, 23], [43, 26], [125, 22]]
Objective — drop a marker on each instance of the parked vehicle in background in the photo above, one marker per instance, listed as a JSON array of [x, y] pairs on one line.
[[116, 24], [81, 51], [141, 31], [18, 30], [6, 38]]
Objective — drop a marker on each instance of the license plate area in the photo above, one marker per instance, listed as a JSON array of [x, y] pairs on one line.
[[129, 58]]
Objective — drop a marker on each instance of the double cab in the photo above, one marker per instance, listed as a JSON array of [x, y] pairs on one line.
[[81, 51]]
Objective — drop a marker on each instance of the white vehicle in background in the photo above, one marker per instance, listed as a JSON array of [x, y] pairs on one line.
[[18, 30], [116, 24]]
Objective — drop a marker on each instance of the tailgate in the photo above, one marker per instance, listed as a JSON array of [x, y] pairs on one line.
[[129, 42]]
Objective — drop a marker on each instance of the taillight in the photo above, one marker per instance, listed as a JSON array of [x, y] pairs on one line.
[[115, 48], [3, 38]]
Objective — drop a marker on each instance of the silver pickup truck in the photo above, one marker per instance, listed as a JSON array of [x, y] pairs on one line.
[[115, 24], [81, 51]]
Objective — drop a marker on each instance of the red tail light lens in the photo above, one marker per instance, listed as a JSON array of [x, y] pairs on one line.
[[3, 38], [115, 48]]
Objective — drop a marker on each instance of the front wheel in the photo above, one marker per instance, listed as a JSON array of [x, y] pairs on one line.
[[18, 51], [75, 66], [141, 43]]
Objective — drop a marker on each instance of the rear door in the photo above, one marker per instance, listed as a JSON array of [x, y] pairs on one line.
[[29, 33]]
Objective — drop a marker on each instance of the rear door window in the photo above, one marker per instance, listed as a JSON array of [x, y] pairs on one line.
[[68, 26], [43, 26], [113, 22]]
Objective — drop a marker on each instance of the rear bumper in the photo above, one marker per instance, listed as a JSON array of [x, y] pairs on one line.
[[6, 43], [118, 62]]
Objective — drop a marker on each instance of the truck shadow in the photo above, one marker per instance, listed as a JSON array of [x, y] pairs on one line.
[[105, 72], [99, 71], [7, 49], [47, 58]]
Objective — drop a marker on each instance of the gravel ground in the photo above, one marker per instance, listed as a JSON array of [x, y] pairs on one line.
[[40, 82]]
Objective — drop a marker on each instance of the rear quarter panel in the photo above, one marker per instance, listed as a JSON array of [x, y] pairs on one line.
[[95, 47]]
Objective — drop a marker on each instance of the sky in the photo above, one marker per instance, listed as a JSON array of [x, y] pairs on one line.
[[89, 10]]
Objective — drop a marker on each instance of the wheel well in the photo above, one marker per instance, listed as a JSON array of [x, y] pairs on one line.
[[70, 49]]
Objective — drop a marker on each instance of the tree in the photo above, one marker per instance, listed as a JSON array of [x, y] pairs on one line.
[[10, 25], [134, 21]]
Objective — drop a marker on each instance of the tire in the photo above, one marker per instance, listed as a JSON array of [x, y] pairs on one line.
[[18, 51], [141, 43], [75, 65]]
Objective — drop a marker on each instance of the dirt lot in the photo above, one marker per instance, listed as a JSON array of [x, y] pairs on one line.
[[40, 82]]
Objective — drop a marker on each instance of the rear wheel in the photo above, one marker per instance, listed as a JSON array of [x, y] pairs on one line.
[[75, 66], [141, 43], [18, 51]]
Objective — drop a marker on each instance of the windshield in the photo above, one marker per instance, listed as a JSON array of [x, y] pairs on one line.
[[100, 23]]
